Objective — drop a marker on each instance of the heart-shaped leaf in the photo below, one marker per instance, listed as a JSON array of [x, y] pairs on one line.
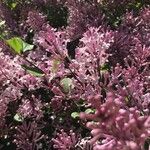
[[18, 45]]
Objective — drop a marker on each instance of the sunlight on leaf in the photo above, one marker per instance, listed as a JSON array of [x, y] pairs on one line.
[[18, 118], [18, 45], [67, 84], [75, 115]]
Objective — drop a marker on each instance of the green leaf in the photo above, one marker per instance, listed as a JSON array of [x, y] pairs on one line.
[[15, 44], [35, 71], [18, 118], [27, 47], [81, 103], [67, 84], [61, 120], [75, 115], [89, 110], [126, 99], [2, 23], [13, 5], [18, 45], [104, 67], [55, 65], [138, 5]]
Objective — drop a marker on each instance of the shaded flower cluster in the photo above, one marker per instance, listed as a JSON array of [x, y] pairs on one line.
[[64, 141]]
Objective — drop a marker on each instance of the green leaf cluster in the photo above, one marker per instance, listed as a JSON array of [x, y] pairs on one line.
[[18, 45]]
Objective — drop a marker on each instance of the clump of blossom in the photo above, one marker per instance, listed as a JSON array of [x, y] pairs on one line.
[[7, 14], [82, 15], [9, 90], [120, 48], [65, 141], [107, 81], [27, 136], [52, 41], [117, 128], [55, 44], [33, 16], [138, 25], [91, 54], [31, 107]]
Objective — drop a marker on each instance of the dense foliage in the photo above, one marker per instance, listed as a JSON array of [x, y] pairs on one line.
[[75, 74]]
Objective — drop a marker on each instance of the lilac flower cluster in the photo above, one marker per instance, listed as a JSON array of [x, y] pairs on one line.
[[64, 141], [114, 127], [125, 84], [98, 99]]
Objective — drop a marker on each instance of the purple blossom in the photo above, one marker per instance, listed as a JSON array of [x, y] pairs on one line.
[[138, 25], [33, 16], [53, 42], [110, 120], [27, 136], [107, 81], [31, 107], [65, 141], [82, 15]]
